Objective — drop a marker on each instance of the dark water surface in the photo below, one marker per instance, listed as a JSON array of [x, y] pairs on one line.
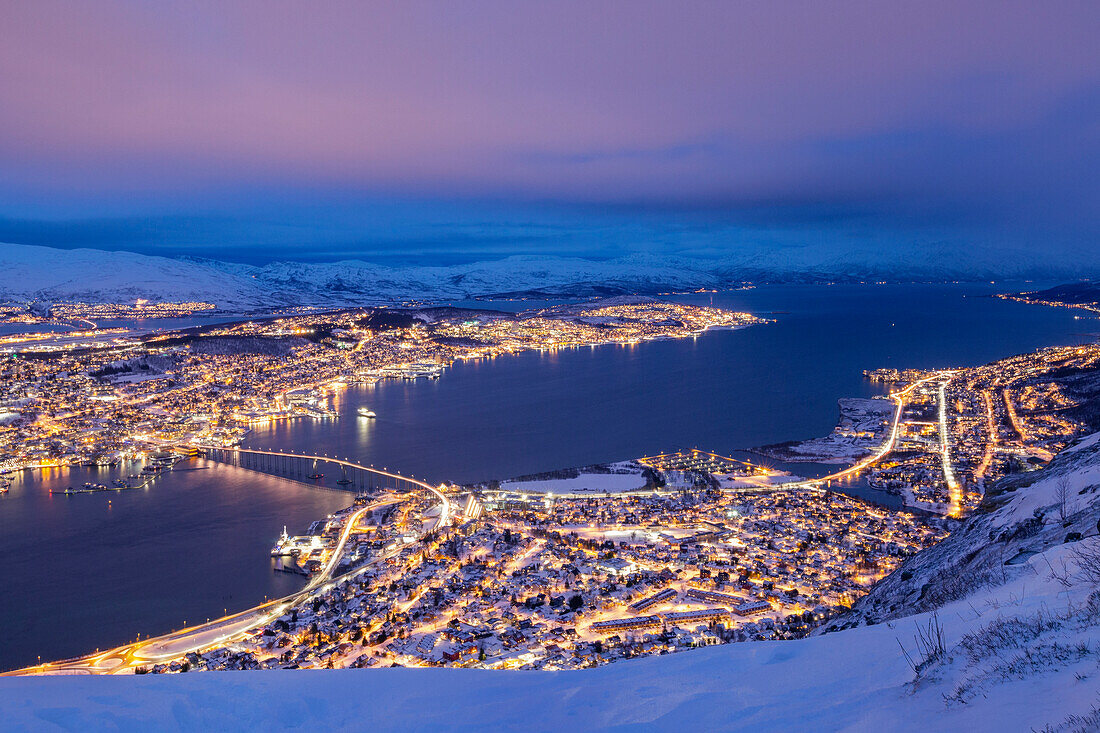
[[82, 573], [722, 391], [94, 570]]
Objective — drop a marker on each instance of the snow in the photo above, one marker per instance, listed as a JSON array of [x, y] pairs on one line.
[[860, 429], [1075, 467], [48, 274], [852, 680], [1021, 651], [90, 275], [1089, 441], [636, 535], [734, 481]]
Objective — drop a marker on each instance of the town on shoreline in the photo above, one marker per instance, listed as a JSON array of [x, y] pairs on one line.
[[574, 568], [130, 398]]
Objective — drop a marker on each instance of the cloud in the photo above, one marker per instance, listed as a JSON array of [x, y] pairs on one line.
[[786, 114]]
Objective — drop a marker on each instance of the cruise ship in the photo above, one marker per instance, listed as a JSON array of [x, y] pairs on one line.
[[366, 412]]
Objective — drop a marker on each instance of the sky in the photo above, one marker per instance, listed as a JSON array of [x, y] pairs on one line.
[[445, 132]]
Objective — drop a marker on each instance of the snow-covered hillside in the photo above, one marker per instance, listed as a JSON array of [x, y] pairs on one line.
[[43, 273], [1022, 518], [855, 680], [994, 647]]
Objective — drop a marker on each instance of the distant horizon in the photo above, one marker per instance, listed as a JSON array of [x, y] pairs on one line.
[[703, 266]]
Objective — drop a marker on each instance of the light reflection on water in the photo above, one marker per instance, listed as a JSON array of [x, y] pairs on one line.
[[94, 570]]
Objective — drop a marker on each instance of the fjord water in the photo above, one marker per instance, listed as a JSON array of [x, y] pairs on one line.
[[95, 570], [87, 574], [722, 391]]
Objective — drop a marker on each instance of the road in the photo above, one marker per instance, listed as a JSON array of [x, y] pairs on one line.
[[991, 446], [954, 490], [886, 447], [172, 646]]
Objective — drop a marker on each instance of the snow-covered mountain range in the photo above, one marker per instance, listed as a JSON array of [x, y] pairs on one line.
[[33, 273]]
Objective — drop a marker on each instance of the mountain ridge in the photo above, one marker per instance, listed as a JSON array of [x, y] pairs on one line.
[[34, 273]]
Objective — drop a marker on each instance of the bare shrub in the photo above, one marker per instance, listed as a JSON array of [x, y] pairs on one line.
[[1007, 633], [958, 582], [1087, 556], [1061, 576], [930, 645], [1090, 721], [1019, 647], [1061, 497]]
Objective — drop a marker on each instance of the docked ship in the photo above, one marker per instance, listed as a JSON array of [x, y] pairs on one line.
[[366, 412], [282, 545]]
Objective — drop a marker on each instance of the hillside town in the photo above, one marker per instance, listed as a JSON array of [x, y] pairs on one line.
[[959, 430], [560, 583], [963, 432]]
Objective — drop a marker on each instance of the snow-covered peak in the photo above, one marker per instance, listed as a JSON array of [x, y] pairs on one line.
[[97, 276], [44, 273]]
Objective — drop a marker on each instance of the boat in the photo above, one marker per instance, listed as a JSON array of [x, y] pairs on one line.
[[344, 481], [316, 475], [366, 412], [280, 547]]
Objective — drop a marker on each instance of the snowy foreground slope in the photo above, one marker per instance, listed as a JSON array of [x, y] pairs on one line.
[[1020, 651], [88, 275]]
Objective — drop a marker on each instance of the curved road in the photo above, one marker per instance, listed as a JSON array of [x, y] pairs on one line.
[[885, 448]]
